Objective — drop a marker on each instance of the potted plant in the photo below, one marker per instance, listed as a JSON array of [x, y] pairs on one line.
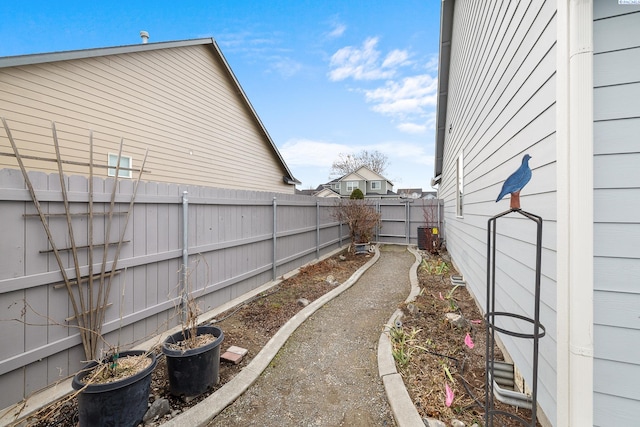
[[115, 391], [193, 354]]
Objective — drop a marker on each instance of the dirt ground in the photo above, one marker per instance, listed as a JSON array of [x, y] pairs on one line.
[[439, 355], [250, 326], [430, 353], [327, 373]]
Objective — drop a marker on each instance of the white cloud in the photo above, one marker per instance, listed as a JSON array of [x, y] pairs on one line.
[[432, 65], [395, 58], [337, 31], [410, 96], [404, 152], [284, 66], [363, 63], [305, 152], [412, 128], [265, 49]]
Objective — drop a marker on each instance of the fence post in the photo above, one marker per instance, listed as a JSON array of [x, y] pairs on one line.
[[408, 216], [379, 210], [275, 232], [317, 228], [185, 254]]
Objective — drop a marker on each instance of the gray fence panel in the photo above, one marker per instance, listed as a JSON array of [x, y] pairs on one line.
[[230, 252]]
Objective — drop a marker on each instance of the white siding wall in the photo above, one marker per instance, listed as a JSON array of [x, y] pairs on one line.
[[501, 105], [617, 225], [179, 102]]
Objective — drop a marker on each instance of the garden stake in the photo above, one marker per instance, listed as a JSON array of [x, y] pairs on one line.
[[86, 331], [121, 239], [100, 307], [92, 315], [44, 222]]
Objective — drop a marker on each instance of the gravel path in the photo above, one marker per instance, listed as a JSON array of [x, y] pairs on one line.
[[327, 373]]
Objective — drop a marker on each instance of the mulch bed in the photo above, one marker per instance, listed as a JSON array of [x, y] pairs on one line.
[[249, 326], [439, 355]]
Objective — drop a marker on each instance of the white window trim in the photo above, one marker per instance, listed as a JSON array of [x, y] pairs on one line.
[[352, 185], [376, 185], [111, 170]]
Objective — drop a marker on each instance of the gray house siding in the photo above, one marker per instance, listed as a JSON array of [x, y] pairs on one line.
[[616, 127], [501, 105]]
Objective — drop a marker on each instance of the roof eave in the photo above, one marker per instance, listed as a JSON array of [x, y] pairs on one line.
[[289, 178], [446, 27], [39, 58]]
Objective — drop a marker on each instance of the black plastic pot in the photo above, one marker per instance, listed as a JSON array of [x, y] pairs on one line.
[[192, 372], [120, 403]]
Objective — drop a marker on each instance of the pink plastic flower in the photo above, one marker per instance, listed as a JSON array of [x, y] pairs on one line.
[[441, 297], [476, 322], [449, 395], [468, 341]]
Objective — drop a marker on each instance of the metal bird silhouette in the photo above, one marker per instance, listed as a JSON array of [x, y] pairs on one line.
[[516, 182]]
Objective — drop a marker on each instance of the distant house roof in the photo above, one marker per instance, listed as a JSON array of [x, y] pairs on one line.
[[363, 173], [326, 192], [40, 58]]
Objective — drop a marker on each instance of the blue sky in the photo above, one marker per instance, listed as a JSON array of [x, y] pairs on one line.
[[325, 77]]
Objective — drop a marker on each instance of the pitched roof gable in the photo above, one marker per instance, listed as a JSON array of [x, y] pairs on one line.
[[40, 58], [363, 173]]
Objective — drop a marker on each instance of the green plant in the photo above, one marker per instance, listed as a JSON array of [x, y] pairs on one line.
[[435, 266], [403, 344], [357, 194], [452, 302]]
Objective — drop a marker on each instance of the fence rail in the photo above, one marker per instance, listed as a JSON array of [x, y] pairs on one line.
[[236, 241]]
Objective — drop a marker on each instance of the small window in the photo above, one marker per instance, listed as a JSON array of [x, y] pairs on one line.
[[460, 186], [336, 186], [352, 185], [125, 166], [376, 185]]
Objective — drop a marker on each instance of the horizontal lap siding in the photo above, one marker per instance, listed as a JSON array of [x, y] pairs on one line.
[[179, 103], [617, 228], [501, 105]]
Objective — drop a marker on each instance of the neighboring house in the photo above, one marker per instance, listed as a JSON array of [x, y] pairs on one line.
[[559, 81], [326, 192], [179, 99], [371, 184], [416, 193]]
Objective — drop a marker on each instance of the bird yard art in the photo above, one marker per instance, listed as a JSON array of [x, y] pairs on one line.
[[516, 182]]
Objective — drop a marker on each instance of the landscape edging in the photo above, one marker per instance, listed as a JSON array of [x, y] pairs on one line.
[[202, 413], [23, 410], [404, 411]]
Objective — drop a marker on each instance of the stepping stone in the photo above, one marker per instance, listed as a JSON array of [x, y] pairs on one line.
[[234, 354]]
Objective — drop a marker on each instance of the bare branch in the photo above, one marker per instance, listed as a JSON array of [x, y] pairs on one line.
[[347, 163]]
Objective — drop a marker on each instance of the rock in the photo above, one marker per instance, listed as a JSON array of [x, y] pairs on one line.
[[457, 320], [432, 422], [159, 408], [457, 423], [303, 302], [332, 280], [342, 258]]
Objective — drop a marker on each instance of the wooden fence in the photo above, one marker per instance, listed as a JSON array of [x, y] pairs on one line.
[[235, 241]]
